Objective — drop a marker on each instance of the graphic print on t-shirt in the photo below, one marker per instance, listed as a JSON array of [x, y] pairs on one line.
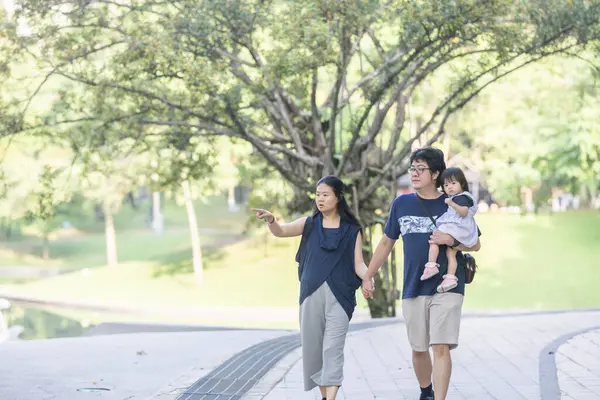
[[413, 224]]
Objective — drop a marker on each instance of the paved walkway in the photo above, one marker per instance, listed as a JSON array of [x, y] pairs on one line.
[[578, 366], [499, 357], [132, 366], [511, 357]]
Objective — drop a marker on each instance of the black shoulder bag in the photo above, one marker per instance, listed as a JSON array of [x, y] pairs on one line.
[[467, 261]]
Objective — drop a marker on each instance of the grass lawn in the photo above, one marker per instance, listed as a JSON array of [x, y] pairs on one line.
[[85, 246], [538, 262], [250, 273], [532, 262]]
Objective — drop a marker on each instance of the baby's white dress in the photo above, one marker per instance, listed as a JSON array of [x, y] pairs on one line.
[[463, 229]]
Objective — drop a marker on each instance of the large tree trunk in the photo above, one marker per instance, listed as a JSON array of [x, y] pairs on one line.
[[158, 225], [46, 248], [231, 204], [194, 234], [3, 230], [98, 213], [111, 239], [6, 230]]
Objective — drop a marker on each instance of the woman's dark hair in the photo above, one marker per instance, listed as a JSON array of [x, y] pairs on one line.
[[455, 174], [343, 208], [434, 158]]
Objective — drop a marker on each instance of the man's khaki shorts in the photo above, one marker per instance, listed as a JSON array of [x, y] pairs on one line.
[[433, 320]]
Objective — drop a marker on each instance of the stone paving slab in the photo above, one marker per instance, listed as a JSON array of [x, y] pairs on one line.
[[238, 375], [578, 367], [132, 366], [498, 358]]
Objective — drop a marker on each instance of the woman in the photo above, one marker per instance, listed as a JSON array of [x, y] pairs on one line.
[[331, 267]]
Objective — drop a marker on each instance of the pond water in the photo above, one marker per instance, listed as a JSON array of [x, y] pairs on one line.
[[38, 323]]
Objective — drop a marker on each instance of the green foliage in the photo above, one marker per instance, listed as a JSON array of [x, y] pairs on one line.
[[45, 198], [109, 173], [50, 203], [315, 87], [309, 84], [539, 132], [36, 179], [211, 165]]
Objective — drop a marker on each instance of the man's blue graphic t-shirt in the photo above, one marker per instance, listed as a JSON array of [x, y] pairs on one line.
[[409, 219]]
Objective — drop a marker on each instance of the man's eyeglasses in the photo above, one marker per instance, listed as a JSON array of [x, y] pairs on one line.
[[418, 170]]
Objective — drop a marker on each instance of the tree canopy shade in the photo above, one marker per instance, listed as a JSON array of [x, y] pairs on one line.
[[317, 87], [539, 132]]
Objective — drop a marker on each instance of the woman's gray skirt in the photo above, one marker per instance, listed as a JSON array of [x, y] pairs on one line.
[[323, 329]]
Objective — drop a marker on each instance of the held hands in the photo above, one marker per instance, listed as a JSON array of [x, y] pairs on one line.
[[264, 215], [368, 287]]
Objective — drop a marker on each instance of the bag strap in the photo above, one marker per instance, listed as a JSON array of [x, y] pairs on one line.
[[426, 210]]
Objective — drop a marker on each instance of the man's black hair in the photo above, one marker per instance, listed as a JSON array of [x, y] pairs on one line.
[[434, 158]]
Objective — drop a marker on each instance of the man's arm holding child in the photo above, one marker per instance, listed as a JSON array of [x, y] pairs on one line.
[[441, 238]]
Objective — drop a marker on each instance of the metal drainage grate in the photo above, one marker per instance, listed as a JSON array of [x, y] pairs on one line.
[[236, 376]]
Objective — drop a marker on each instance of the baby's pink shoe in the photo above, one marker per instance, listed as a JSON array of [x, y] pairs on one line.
[[449, 283], [431, 269]]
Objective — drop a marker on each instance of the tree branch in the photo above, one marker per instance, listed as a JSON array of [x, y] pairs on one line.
[[201, 126], [377, 123], [398, 125], [262, 149], [376, 97], [451, 110], [144, 93], [369, 77], [236, 60], [288, 123], [376, 42], [333, 117], [55, 69], [84, 26], [316, 119]]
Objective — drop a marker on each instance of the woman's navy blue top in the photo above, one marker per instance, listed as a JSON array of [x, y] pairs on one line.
[[328, 256]]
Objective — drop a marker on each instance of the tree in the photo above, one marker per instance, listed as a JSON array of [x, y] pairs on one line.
[[46, 204], [317, 87], [108, 173], [540, 132], [37, 186], [568, 128], [182, 163]]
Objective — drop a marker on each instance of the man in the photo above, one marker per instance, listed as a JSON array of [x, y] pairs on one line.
[[432, 319]]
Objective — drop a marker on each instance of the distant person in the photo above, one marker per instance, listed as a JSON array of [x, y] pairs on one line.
[[330, 270], [432, 318], [458, 222]]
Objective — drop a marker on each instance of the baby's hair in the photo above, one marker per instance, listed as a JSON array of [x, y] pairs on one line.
[[455, 174]]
